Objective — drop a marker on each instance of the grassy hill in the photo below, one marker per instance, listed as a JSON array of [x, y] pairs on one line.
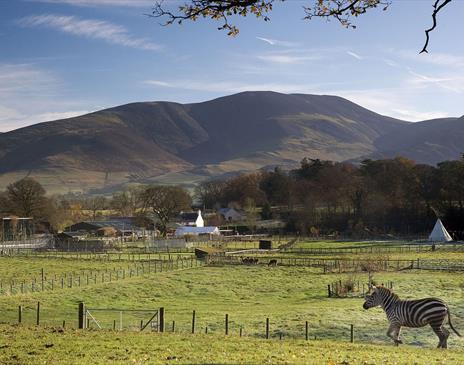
[[185, 143]]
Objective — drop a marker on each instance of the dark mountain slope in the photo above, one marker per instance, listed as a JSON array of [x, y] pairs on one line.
[[251, 122], [168, 142], [429, 142]]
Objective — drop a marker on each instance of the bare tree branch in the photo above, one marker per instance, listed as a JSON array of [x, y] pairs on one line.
[[216, 10], [437, 7], [220, 10], [342, 10]]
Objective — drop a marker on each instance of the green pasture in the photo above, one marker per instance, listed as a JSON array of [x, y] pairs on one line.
[[19, 274], [288, 296], [37, 345]]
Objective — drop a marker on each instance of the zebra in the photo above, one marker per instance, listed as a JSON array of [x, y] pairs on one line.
[[411, 313]]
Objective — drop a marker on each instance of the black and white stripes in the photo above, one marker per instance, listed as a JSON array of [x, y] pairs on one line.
[[411, 313]]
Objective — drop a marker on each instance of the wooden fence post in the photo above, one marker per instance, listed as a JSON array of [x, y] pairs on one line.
[[227, 324], [267, 328], [193, 322], [351, 333], [173, 326], [81, 316], [20, 314], [38, 313], [328, 291], [161, 319], [307, 331]]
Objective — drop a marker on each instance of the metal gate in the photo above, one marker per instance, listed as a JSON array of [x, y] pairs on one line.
[[119, 319]]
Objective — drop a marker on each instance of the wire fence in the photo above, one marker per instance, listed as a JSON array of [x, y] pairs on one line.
[[272, 327], [49, 281]]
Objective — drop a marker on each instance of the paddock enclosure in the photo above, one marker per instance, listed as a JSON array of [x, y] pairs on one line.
[[298, 302]]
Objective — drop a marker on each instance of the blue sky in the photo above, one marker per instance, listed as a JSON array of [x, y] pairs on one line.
[[60, 58]]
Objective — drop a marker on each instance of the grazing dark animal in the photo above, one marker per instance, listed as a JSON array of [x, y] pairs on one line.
[[272, 262], [411, 313], [249, 261]]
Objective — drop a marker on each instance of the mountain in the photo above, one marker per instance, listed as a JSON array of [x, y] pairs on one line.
[[428, 142], [165, 142]]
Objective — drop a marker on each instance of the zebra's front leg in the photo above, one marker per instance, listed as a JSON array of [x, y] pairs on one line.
[[394, 333]]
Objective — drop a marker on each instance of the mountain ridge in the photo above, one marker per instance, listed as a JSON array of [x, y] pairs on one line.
[[168, 142]]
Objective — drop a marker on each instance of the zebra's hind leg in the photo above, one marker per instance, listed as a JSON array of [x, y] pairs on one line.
[[394, 333], [442, 334]]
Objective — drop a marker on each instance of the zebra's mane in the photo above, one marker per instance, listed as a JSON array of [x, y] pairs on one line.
[[382, 288]]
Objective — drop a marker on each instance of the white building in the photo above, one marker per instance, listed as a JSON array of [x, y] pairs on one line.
[[199, 222], [232, 215], [196, 231]]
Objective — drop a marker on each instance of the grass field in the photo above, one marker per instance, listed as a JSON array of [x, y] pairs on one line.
[[50, 346], [287, 295]]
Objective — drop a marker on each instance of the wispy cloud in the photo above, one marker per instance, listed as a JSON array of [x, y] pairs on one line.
[[414, 115], [235, 87], [355, 55], [93, 3], [89, 28], [276, 42], [290, 57], [437, 59], [393, 102], [30, 95], [451, 82]]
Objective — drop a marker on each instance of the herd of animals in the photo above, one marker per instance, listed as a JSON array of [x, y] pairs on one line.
[[401, 313], [255, 261]]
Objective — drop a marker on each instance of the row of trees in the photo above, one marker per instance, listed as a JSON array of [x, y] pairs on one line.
[[375, 197], [27, 198]]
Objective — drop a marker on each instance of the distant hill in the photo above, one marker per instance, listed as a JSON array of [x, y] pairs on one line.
[[428, 142], [166, 142]]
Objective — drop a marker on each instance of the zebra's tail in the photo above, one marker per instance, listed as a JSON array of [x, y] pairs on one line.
[[451, 325]]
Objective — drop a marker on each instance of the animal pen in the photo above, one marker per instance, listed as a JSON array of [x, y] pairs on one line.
[[120, 319]]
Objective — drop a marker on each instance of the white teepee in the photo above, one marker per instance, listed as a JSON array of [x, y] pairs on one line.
[[199, 222], [439, 233]]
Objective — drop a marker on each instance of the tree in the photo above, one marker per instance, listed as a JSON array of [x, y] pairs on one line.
[[128, 201], [166, 202], [342, 11], [94, 204], [276, 185], [243, 187], [209, 193], [26, 198]]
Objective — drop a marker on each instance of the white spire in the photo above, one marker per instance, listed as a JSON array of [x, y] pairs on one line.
[[199, 222]]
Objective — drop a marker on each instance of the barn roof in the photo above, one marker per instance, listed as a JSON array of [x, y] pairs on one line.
[[181, 231]]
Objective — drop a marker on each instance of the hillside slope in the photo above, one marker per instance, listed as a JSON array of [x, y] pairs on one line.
[[428, 142], [182, 143]]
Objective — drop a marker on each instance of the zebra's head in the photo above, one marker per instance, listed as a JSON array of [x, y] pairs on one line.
[[373, 299]]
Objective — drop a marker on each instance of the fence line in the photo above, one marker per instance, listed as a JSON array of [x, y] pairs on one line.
[[51, 281], [345, 264], [416, 248], [267, 329]]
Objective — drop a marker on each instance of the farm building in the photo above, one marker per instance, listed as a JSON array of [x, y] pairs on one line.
[[75, 241], [16, 228], [119, 226], [232, 215], [197, 231], [193, 219]]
